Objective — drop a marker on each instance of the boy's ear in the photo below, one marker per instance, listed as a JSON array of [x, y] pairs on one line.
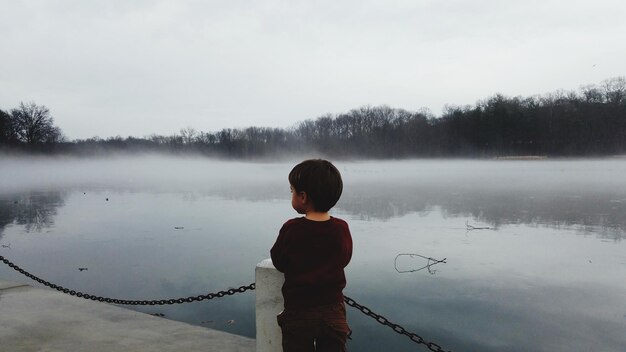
[[303, 197]]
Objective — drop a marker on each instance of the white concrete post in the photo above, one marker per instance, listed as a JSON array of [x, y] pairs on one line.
[[269, 302]]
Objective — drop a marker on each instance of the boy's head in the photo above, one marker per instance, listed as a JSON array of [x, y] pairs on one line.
[[320, 180]]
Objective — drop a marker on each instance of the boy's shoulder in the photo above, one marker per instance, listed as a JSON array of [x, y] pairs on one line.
[[292, 221], [338, 220], [302, 221]]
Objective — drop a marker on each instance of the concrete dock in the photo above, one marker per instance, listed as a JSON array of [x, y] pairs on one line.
[[34, 319]]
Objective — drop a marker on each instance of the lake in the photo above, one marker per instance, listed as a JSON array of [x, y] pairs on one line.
[[535, 251]]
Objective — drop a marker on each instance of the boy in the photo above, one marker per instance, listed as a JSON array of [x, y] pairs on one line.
[[312, 252]]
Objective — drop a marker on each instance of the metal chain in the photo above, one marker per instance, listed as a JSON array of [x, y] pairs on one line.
[[349, 301], [397, 328], [155, 302]]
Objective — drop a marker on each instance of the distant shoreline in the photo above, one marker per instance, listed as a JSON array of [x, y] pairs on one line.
[[587, 123]]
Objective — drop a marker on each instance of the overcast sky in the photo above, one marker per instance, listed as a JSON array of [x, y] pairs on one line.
[[107, 68]]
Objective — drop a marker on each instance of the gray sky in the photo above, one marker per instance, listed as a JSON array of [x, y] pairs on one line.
[[139, 67]]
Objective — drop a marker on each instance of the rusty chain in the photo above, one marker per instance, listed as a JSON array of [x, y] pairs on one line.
[[349, 301], [395, 327], [155, 302]]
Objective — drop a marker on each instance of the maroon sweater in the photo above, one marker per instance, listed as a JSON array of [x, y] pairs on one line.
[[312, 255]]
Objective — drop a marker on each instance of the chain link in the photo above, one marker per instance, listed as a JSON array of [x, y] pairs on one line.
[[349, 301], [395, 327], [155, 302]]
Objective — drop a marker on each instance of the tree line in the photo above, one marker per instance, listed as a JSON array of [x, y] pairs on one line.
[[588, 122], [29, 124]]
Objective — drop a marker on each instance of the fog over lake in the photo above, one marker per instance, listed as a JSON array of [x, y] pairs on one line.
[[535, 254]]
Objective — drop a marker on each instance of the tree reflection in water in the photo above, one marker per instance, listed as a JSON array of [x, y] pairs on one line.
[[590, 212], [603, 214], [33, 210]]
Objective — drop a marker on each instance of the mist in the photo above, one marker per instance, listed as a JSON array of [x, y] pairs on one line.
[[155, 172], [175, 173], [581, 192]]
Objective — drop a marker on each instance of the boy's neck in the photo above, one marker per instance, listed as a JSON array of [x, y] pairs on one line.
[[317, 216]]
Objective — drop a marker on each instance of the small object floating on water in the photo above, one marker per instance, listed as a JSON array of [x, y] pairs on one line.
[[82, 269], [107, 199], [6, 245], [231, 322], [472, 228], [158, 314], [179, 227], [429, 264]]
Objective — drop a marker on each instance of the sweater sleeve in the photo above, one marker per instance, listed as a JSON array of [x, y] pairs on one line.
[[348, 247], [277, 253]]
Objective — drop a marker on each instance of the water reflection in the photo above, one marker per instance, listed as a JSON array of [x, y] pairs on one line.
[[597, 213], [33, 210], [496, 290], [600, 214], [588, 195]]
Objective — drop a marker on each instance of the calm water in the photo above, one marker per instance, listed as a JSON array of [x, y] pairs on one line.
[[548, 273]]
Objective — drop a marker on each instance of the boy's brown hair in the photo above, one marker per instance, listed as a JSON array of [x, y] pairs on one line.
[[320, 180]]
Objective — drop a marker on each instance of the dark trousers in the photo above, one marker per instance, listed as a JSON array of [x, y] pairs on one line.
[[321, 329]]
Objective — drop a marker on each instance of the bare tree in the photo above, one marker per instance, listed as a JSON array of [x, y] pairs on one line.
[[7, 132], [33, 124], [592, 94], [615, 89], [188, 135]]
